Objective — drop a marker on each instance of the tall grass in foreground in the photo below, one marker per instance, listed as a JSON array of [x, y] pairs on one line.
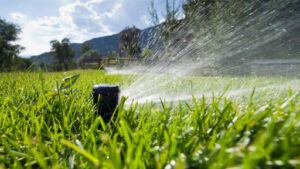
[[41, 131]]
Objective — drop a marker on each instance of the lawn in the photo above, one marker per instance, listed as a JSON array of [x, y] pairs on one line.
[[209, 122]]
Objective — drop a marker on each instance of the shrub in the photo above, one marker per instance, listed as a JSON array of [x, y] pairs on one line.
[[89, 57], [146, 52]]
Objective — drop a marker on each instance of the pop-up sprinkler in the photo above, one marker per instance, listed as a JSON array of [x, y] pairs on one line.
[[106, 98]]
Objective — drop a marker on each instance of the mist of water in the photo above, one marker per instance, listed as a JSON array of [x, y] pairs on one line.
[[263, 34]]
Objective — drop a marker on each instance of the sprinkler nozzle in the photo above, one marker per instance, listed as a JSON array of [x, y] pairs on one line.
[[106, 98]]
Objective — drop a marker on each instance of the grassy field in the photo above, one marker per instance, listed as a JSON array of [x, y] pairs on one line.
[[41, 128]]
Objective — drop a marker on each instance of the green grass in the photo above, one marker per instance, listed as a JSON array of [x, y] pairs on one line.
[[38, 130]]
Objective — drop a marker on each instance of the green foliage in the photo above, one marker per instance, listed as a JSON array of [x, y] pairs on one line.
[[63, 54], [147, 52], [208, 132], [167, 28], [8, 34], [212, 28], [21, 63], [133, 50], [112, 54], [89, 57], [129, 42], [85, 47]]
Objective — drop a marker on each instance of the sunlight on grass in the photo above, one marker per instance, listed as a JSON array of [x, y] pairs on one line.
[[63, 131]]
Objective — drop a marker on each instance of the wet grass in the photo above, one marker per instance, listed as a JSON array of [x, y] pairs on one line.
[[38, 130]]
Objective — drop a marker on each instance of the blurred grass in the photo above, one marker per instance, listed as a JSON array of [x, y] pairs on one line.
[[39, 131]]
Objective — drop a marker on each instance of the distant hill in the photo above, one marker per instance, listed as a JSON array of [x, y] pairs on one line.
[[148, 39]]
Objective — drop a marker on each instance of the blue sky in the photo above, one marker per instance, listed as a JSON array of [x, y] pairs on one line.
[[44, 20]]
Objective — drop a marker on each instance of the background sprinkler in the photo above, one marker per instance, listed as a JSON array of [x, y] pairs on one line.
[[106, 98]]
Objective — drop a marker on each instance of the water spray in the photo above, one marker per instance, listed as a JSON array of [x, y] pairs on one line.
[[257, 38]]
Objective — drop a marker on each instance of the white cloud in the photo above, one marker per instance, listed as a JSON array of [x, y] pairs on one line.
[[18, 17], [80, 21]]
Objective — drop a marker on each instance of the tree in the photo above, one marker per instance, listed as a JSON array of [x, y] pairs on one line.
[[170, 23], [21, 63], [128, 42], [85, 47], [196, 8], [112, 54], [63, 54], [8, 51], [89, 57]]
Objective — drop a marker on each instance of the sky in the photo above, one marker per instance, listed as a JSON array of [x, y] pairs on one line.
[[79, 20]]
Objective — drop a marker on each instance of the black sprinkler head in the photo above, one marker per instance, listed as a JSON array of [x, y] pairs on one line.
[[106, 97]]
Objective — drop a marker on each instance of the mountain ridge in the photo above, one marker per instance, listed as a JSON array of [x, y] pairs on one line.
[[105, 44]]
